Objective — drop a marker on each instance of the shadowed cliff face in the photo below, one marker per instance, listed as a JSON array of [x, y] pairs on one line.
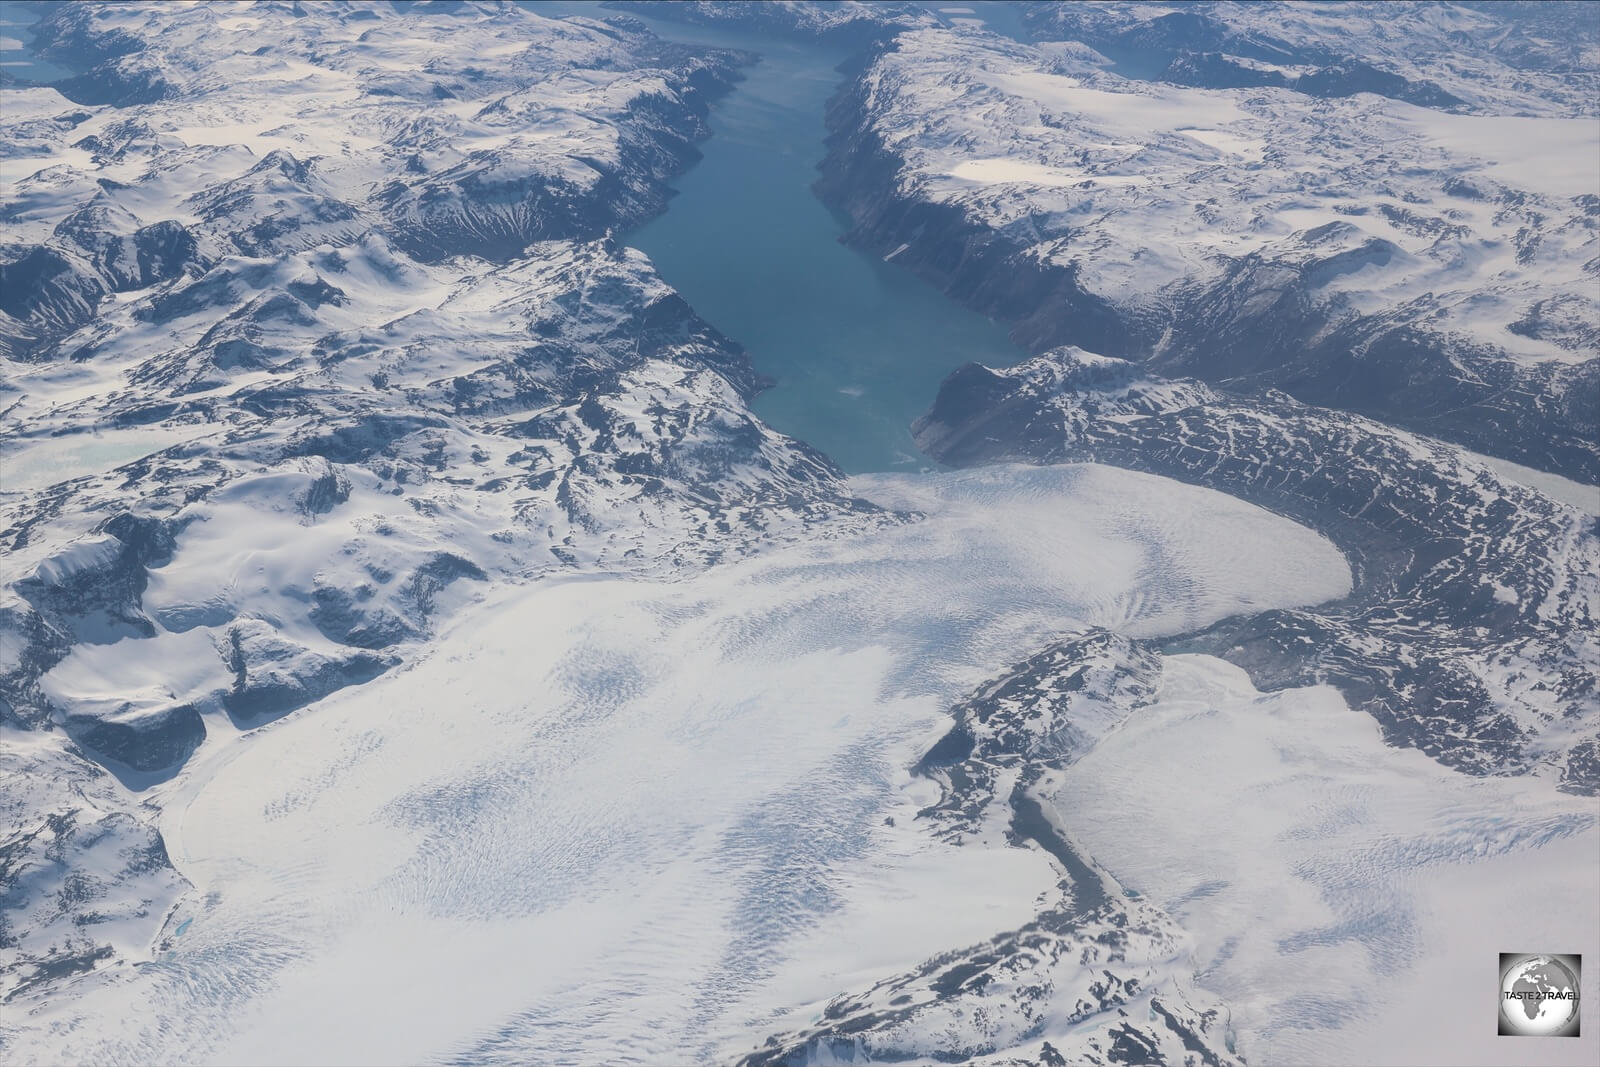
[[1253, 239]]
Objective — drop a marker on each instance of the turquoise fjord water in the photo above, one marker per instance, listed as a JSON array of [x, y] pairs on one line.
[[857, 347]]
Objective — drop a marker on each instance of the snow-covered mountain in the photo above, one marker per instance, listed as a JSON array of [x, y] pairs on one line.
[[285, 378], [412, 647], [836, 22], [1240, 253], [1471, 630], [1428, 263], [1484, 58], [309, 341]]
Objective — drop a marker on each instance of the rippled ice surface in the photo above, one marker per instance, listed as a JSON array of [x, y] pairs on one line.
[[602, 819]]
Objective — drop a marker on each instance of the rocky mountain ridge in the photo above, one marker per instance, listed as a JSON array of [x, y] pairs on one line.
[[1360, 252], [1470, 633], [1099, 976]]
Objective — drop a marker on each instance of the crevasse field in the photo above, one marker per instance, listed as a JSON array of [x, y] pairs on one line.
[[617, 819]]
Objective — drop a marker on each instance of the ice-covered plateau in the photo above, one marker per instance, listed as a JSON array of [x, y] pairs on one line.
[[414, 649]]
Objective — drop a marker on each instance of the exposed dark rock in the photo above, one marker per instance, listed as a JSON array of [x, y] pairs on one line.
[[1074, 971], [1468, 587]]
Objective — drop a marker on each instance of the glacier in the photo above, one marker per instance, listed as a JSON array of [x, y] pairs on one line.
[[648, 795], [415, 646]]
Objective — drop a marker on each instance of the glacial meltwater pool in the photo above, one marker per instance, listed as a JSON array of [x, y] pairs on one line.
[[857, 347]]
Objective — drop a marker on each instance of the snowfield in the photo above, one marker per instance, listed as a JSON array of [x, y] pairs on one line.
[[414, 648], [1303, 845], [1142, 188], [1360, 239], [661, 798]]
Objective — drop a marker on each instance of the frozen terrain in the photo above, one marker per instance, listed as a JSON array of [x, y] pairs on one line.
[[1421, 258], [314, 328], [1471, 632], [663, 798], [1303, 845], [415, 646]]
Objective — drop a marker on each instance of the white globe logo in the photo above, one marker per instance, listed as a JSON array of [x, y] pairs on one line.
[[1539, 996]]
